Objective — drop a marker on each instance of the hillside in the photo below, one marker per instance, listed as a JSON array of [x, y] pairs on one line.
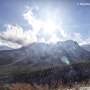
[[45, 55]]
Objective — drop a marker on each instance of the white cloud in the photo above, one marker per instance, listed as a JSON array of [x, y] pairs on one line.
[[48, 26], [32, 20], [78, 37], [47, 31], [16, 35], [86, 41], [9, 44]]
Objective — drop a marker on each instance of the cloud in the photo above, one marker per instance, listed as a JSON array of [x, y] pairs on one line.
[[86, 41], [42, 31], [32, 20], [9, 44], [16, 34]]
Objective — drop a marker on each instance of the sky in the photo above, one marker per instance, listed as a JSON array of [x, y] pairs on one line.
[[23, 22]]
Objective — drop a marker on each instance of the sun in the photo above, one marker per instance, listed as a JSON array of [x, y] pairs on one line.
[[49, 26]]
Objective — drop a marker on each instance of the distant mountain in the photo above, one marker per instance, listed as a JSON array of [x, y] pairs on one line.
[[2, 47], [45, 55], [86, 46]]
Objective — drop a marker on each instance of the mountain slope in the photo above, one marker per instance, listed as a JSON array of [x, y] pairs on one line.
[[2, 47], [86, 46], [45, 55]]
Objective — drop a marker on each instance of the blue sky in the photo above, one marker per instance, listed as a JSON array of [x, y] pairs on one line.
[[74, 20]]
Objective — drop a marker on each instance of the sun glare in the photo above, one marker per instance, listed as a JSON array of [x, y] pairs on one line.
[[54, 39], [49, 26]]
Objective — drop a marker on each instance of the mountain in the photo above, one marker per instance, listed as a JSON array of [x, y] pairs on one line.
[[45, 55], [86, 46], [2, 47]]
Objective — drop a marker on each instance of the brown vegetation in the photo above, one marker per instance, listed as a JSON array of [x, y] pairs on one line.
[[76, 86]]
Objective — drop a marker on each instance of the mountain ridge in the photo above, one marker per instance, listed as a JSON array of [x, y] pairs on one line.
[[45, 55], [86, 46], [3, 47]]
